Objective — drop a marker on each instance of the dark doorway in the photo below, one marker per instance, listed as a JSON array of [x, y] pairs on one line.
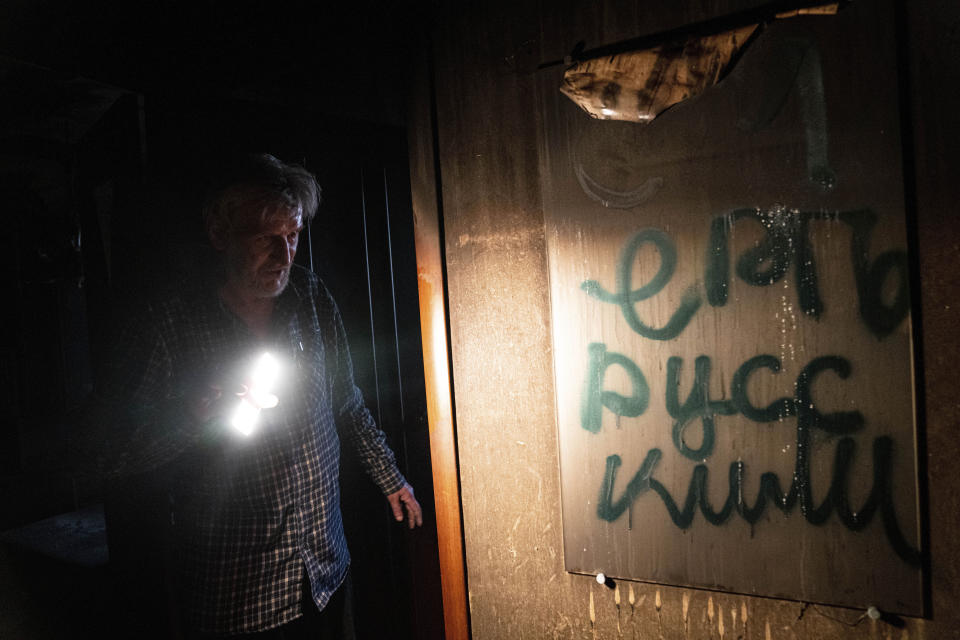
[[156, 153]]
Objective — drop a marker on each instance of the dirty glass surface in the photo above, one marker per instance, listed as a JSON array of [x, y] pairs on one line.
[[732, 329]]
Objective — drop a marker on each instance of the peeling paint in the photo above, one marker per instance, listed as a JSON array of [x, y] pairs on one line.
[[616, 601], [685, 599], [658, 603]]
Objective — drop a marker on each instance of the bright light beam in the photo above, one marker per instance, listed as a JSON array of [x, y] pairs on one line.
[[258, 396]]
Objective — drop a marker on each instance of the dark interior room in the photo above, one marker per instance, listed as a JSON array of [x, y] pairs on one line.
[[114, 115]]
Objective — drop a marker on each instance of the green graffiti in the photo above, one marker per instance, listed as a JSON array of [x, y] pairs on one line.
[[839, 423], [768, 261], [809, 418], [696, 496], [627, 297], [609, 510], [697, 405], [808, 284], [786, 241], [881, 318], [738, 392], [882, 288], [717, 273], [595, 398]]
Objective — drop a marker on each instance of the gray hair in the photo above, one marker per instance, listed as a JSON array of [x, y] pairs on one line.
[[260, 183]]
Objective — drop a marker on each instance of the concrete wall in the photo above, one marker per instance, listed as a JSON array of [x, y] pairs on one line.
[[492, 236]]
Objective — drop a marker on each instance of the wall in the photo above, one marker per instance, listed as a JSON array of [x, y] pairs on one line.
[[491, 232]]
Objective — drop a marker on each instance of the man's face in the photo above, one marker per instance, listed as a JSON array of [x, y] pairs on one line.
[[259, 252]]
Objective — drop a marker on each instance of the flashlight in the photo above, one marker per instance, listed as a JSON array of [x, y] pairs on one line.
[[258, 395]]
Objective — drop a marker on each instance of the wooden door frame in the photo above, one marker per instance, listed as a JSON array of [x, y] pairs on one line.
[[425, 183]]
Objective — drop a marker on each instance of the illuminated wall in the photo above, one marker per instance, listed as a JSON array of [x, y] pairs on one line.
[[534, 264]]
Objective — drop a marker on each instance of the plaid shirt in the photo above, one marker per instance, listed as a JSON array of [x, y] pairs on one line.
[[251, 512]]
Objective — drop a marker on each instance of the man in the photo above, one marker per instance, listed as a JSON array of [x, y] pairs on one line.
[[258, 533]]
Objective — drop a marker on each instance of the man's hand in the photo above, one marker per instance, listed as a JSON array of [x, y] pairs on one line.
[[405, 498], [213, 402]]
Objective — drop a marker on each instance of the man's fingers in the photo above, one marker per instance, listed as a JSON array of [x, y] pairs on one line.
[[414, 513], [416, 517], [403, 500], [410, 511], [395, 506]]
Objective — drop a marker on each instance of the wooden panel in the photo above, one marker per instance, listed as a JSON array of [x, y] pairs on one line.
[[433, 331], [731, 327]]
